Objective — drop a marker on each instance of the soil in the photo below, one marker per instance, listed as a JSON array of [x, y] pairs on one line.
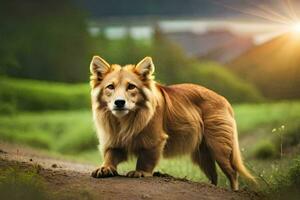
[[72, 180]]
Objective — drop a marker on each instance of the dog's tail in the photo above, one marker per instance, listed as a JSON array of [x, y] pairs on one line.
[[237, 161]]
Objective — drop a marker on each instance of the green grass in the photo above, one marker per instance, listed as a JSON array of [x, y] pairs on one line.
[[265, 150], [18, 94], [71, 134], [65, 132], [286, 182], [250, 117]]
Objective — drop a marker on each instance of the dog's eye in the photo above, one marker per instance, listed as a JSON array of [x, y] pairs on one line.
[[111, 87], [131, 86]]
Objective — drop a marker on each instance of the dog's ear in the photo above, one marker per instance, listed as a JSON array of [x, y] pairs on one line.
[[99, 67], [145, 68]]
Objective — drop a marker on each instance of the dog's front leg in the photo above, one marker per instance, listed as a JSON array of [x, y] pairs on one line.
[[112, 157], [146, 162]]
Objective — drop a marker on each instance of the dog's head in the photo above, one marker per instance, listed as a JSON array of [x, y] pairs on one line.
[[120, 90]]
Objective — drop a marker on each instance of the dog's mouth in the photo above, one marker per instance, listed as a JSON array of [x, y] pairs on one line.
[[120, 112], [120, 109]]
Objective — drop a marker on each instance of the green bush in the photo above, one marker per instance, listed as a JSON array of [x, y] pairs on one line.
[[294, 173], [292, 135], [38, 95], [287, 183], [222, 81], [265, 150]]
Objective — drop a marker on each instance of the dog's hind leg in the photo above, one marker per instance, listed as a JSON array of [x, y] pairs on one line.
[[230, 172], [219, 138], [203, 157]]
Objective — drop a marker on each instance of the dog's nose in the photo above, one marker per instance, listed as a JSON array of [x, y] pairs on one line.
[[120, 103]]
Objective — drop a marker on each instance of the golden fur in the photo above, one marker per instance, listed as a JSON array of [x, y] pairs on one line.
[[161, 121]]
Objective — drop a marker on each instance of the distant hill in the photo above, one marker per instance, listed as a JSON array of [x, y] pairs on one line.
[[219, 45], [274, 67]]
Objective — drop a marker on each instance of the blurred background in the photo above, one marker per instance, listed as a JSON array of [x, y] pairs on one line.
[[248, 51]]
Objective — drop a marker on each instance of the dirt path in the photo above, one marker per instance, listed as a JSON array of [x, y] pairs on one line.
[[74, 181]]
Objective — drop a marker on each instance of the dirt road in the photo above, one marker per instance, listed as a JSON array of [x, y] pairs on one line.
[[73, 180]]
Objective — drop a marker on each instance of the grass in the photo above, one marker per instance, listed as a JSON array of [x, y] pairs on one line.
[[252, 116], [286, 185], [71, 133], [28, 183], [65, 132], [18, 94], [18, 184]]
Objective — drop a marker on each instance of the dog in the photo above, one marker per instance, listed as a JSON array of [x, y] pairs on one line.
[[134, 115]]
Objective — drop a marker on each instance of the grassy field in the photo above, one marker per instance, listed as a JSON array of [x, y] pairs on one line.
[[71, 133]]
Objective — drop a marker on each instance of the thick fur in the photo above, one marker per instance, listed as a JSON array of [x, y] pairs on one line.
[[165, 121]]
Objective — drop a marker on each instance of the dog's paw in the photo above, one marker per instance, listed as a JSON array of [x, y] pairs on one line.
[[105, 171], [138, 174]]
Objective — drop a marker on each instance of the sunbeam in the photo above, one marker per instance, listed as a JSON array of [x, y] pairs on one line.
[[269, 10], [291, 10], [286, 19], [256, 11]]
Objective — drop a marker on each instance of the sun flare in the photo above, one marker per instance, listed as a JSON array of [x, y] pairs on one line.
[[296, 27]]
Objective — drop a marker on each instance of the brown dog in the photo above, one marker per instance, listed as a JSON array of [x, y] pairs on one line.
[[135, 115]]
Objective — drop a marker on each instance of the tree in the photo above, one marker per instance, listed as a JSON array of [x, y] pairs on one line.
[[170, 60], [44, 40]]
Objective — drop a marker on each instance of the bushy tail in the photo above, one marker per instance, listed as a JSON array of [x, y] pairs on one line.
[[237, 161]]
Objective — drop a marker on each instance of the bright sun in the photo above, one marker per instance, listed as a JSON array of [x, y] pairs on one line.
[[296, 27]]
